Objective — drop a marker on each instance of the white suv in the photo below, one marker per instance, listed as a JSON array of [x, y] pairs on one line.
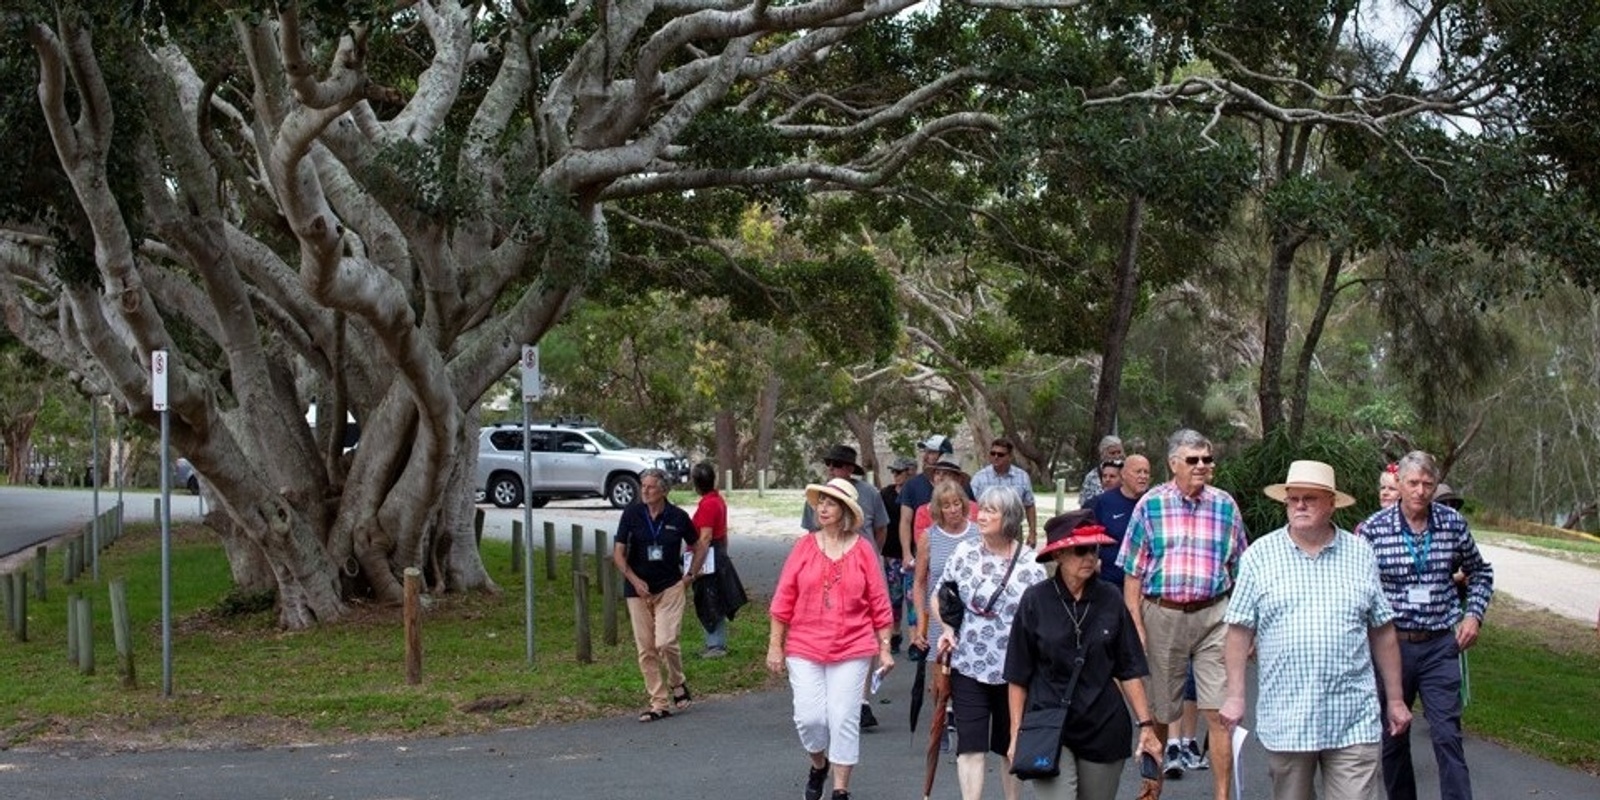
[[570, 460]]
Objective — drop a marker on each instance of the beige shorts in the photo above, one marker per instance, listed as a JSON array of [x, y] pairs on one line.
[[1174, 638]]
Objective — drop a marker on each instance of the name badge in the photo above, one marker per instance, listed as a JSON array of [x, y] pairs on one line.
[[654, 552], [1418, 595]]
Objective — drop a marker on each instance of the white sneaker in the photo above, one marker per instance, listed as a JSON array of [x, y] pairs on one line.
[[1174, 764], [1193, 758]]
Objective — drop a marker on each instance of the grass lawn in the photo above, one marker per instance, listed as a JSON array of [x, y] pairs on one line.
[[238, 679], [1535, 685]]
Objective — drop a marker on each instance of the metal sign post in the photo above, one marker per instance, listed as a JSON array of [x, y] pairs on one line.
[[531, 389], [94, 483], [159, 368]]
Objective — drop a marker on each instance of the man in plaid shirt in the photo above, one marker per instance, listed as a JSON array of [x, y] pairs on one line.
[[1308, 595], [1420, 545], [1182, 551]]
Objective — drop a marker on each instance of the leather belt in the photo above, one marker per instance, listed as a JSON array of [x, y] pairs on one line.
[[1187, 608], [1420, 636]]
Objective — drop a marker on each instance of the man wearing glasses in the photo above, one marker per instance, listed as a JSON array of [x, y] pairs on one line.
[[1184, 541], [1310, 603], [1001, 472]]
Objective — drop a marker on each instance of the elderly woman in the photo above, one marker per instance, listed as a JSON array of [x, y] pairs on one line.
[[830, 616], [1070, 617], [990, 573], [951, 526]]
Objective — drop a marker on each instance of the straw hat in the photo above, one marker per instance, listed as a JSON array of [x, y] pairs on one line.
[[838, 489], [1310, 475]]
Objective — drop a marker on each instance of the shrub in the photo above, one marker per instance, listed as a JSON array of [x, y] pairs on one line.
[[1355, 460]]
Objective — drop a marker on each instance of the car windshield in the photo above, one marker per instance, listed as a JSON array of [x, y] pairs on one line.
[[606, 440]]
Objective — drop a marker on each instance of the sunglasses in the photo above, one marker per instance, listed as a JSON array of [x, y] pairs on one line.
[[834, 464], [998, 453], [1193, 460], [1115, 462], [1081, 550]]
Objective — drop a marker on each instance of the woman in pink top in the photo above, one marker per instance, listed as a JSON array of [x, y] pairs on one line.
[[830, 616]]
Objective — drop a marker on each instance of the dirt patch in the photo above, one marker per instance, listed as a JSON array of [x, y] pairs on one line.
[[1558, 633]]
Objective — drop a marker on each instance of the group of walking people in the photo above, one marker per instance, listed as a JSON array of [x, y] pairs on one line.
[[1144, 590]]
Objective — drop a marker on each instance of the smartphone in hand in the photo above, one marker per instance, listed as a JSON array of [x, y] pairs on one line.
[[1149, 769]]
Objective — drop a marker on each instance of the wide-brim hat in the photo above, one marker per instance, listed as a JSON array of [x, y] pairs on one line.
[[843, 454], [838, 489], [1074, 528], [937, 443], [1448, 496], [1310, 475], [950, 465]]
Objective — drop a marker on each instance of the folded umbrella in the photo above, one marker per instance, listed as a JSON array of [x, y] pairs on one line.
[[941, 710]]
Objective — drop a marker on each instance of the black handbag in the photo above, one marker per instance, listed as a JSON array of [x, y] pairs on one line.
[[1038, 745], [952, 611]]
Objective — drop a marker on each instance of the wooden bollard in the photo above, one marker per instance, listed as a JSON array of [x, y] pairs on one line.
[[72, 628], [67, 560], [39, 554], [122, 632], [6, 600], [516, 546], [580, 611], [577, 548], [600, 554], [609, 584], [85, 635], [413, 623], [1061, 494], [155, 510], [727, 480], [19, 605], [477, 526], [549, 550]]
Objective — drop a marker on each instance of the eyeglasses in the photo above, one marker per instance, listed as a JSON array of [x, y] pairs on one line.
[[999, 453], [1193, 460]]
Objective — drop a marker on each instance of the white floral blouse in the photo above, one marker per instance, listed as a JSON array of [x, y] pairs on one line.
[[980, 651]]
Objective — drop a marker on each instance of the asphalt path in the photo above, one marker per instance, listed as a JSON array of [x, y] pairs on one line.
[[32, 515], [726, 746]]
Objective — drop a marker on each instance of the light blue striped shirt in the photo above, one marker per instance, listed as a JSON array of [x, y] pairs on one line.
[[1311, 617]]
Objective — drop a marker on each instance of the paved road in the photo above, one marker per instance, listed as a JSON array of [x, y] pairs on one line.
[[1571, 590], [30, 515], [725, 747]]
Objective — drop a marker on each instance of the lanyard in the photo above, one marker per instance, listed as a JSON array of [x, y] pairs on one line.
[[654, 526], [1419, 561]]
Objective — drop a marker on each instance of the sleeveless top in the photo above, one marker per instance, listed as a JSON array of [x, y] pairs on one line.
[[940, 545]]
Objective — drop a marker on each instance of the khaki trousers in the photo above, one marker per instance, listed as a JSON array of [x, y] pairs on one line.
[[656, 623], [1348, 773]]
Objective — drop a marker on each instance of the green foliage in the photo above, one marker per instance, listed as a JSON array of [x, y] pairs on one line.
[[1356, 462]]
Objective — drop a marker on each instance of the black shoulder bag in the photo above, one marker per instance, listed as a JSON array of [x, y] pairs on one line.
[[952, 611], [1038, 745]]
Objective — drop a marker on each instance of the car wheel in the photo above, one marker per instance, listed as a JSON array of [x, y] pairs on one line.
[[622, 491], [505, 490], [194, 484], [539, 502]]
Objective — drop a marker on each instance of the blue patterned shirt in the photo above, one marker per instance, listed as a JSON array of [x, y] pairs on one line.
[[1014, 477], [1311, 617], [1426, 562]]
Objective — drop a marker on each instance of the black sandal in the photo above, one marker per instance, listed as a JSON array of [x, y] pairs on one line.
[[653, 715], [680, 696]]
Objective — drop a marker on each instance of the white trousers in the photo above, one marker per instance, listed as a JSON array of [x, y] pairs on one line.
[[827, 706]]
